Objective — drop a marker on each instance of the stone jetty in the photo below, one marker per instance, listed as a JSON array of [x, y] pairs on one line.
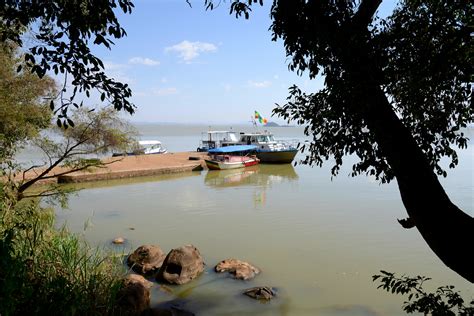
[[132, 166]]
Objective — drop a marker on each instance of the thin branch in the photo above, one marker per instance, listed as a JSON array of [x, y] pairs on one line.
[[42, 194], [30, 168]]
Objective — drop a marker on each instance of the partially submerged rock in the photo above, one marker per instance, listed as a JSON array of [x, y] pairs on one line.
[[238, 269], [118, 240], [181, 265], [260, 293], [146, 259], [134, 296]]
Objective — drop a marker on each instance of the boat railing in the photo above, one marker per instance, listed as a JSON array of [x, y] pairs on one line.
[[288, 143]]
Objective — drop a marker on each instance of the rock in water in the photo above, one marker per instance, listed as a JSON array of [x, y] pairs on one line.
[[134, 295], [118, 240], [238, 269], [181, 265], [146, 259], [260, 293]]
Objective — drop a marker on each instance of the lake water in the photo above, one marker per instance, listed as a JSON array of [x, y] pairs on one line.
[[317, 241]]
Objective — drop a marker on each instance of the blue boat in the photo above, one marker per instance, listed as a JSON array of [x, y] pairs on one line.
[[232, 157]]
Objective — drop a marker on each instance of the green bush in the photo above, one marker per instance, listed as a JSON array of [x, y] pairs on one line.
[[52, 272]]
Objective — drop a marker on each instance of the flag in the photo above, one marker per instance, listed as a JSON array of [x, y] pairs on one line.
[[260, 118]]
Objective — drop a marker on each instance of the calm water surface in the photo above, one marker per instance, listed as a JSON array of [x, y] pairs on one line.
[[317, 241]]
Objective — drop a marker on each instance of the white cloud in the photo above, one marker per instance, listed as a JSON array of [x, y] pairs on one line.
[[165, 91], [187, 50], [111, 66], [260, 84], [117, 72], [143, 61]]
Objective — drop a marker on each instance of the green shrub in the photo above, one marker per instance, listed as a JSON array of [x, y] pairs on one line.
[[52, 272]]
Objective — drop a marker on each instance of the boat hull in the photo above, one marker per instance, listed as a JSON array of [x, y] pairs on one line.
[[281, 156], [226, 165]]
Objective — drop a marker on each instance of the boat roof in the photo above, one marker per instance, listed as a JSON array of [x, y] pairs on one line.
[[256, 133], [232, 149], [149, 142], [219, 132]]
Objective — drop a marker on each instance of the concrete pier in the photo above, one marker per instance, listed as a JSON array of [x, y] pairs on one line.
[[133, 166]]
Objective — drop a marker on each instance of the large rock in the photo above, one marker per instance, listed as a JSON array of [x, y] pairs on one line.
[[181, 265], [146, 259], [238, 269], [134, 295], [260, 293]]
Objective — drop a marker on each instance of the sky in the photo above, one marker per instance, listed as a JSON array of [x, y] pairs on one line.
[[188, 65]]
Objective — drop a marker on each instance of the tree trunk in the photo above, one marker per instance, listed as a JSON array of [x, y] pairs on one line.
[[448, 230]]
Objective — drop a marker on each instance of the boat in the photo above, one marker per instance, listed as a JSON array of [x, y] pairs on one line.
[[217, 139], [268, 149], [151, 147], [231, 157], [145, 147]]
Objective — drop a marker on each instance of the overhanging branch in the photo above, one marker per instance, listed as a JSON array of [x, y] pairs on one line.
[[365, 14]]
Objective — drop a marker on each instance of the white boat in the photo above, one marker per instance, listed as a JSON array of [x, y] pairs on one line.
[[217, 139], [145, 147], [231, 157], [151, 147], [268, 149]]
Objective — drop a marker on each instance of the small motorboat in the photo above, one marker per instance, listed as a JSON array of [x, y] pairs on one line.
[[232, 157], [145, 147]]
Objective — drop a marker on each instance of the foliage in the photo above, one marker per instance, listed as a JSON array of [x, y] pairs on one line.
[[23, 106], [444, 301], [421, 55], [429, 77], [44, 271], [74, 149], [63, 31]]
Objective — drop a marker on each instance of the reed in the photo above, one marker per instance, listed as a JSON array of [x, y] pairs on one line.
[[51, 271]]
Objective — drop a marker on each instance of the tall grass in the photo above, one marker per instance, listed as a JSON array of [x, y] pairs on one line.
[[45, 271]]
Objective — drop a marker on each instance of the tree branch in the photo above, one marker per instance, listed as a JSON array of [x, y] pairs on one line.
[[43, 174], [365, 14]]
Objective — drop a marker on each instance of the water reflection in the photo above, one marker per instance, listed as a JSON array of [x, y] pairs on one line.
[[261, 177]]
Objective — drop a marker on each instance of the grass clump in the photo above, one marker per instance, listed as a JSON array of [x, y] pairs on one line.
[[45, 271]]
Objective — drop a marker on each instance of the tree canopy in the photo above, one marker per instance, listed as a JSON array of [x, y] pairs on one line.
[[24, 107], [63, 31], [420, 57]]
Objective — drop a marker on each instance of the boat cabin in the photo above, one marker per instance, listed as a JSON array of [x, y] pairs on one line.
[[217, 139], [256, 138]]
